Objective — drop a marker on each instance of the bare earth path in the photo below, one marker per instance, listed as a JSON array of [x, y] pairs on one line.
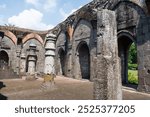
[[65, 89]]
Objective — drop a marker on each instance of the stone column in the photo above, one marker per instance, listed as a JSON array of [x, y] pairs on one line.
[[77, 68], [32, 59], [22, 63], [31, 65], [69, 64], [18, 61], [107, 83], [50, 54]]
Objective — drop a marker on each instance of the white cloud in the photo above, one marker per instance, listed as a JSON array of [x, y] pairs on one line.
[[65, 15], [50, 4], [2, 20], [47, 5], [33, 2], [3, 6], [31, 19]]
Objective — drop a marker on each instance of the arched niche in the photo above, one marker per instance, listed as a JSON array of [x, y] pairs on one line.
[[83, 30], [83, 61], [4, 59], [128, 14], [33, 36], [61, 62], [40, 52], [61, 39]]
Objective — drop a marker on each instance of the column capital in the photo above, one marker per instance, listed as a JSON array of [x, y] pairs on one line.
[[50, 36]]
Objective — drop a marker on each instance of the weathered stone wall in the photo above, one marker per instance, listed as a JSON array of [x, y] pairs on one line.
[[16, 43], [83, 22], [128, 15], [143, 48], [61, 54], [9, 47], [40, 52], [82, 34], [133, 26]]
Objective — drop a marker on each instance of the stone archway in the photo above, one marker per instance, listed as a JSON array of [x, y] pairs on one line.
[[4, 60], [124, 44], [61, 62], [84, 60]]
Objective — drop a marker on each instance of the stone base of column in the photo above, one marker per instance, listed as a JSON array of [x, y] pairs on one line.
[[48, 86], [48, 82], [30, 77]]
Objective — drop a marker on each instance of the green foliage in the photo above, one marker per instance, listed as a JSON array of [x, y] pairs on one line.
[[132, 66], [133, 76], [132, 59]]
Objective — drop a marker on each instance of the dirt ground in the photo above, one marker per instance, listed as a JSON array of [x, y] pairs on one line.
[[64, 89]]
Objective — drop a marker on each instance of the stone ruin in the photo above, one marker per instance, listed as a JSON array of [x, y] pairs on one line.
[[92, 43]]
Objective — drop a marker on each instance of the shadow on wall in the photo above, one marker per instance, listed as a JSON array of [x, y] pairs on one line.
[[2, 97]]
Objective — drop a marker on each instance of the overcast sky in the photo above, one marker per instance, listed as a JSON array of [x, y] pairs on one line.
[[37, 14]]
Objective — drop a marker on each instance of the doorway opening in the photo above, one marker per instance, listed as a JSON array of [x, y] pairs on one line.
[[4, 60], [84, 60], [62, 61], [127, 52]]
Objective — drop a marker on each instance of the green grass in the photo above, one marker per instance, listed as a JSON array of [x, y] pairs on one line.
[[133, 76], [132, 66]]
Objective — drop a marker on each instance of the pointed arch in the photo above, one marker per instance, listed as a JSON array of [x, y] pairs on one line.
[[141, 11], [61, 38], [79, 29], [11, 36], [127, 34], [33, 36]]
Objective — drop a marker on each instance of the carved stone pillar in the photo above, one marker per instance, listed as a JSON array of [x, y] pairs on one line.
[[32, 59], [50, 54], [18, 61], [22, 63]]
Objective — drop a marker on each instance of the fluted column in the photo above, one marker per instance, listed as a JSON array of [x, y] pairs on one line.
[[32, 59], [22, 63], [50, 54]]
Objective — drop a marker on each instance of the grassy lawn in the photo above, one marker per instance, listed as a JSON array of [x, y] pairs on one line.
[[133, 76]]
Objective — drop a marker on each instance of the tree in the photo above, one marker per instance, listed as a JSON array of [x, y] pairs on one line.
[[132, 54]]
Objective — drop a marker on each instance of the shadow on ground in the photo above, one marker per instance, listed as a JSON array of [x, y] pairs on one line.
[[2, 97], [133, 86]]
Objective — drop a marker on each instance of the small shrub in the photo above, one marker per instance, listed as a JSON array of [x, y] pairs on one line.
[[132, 77]]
